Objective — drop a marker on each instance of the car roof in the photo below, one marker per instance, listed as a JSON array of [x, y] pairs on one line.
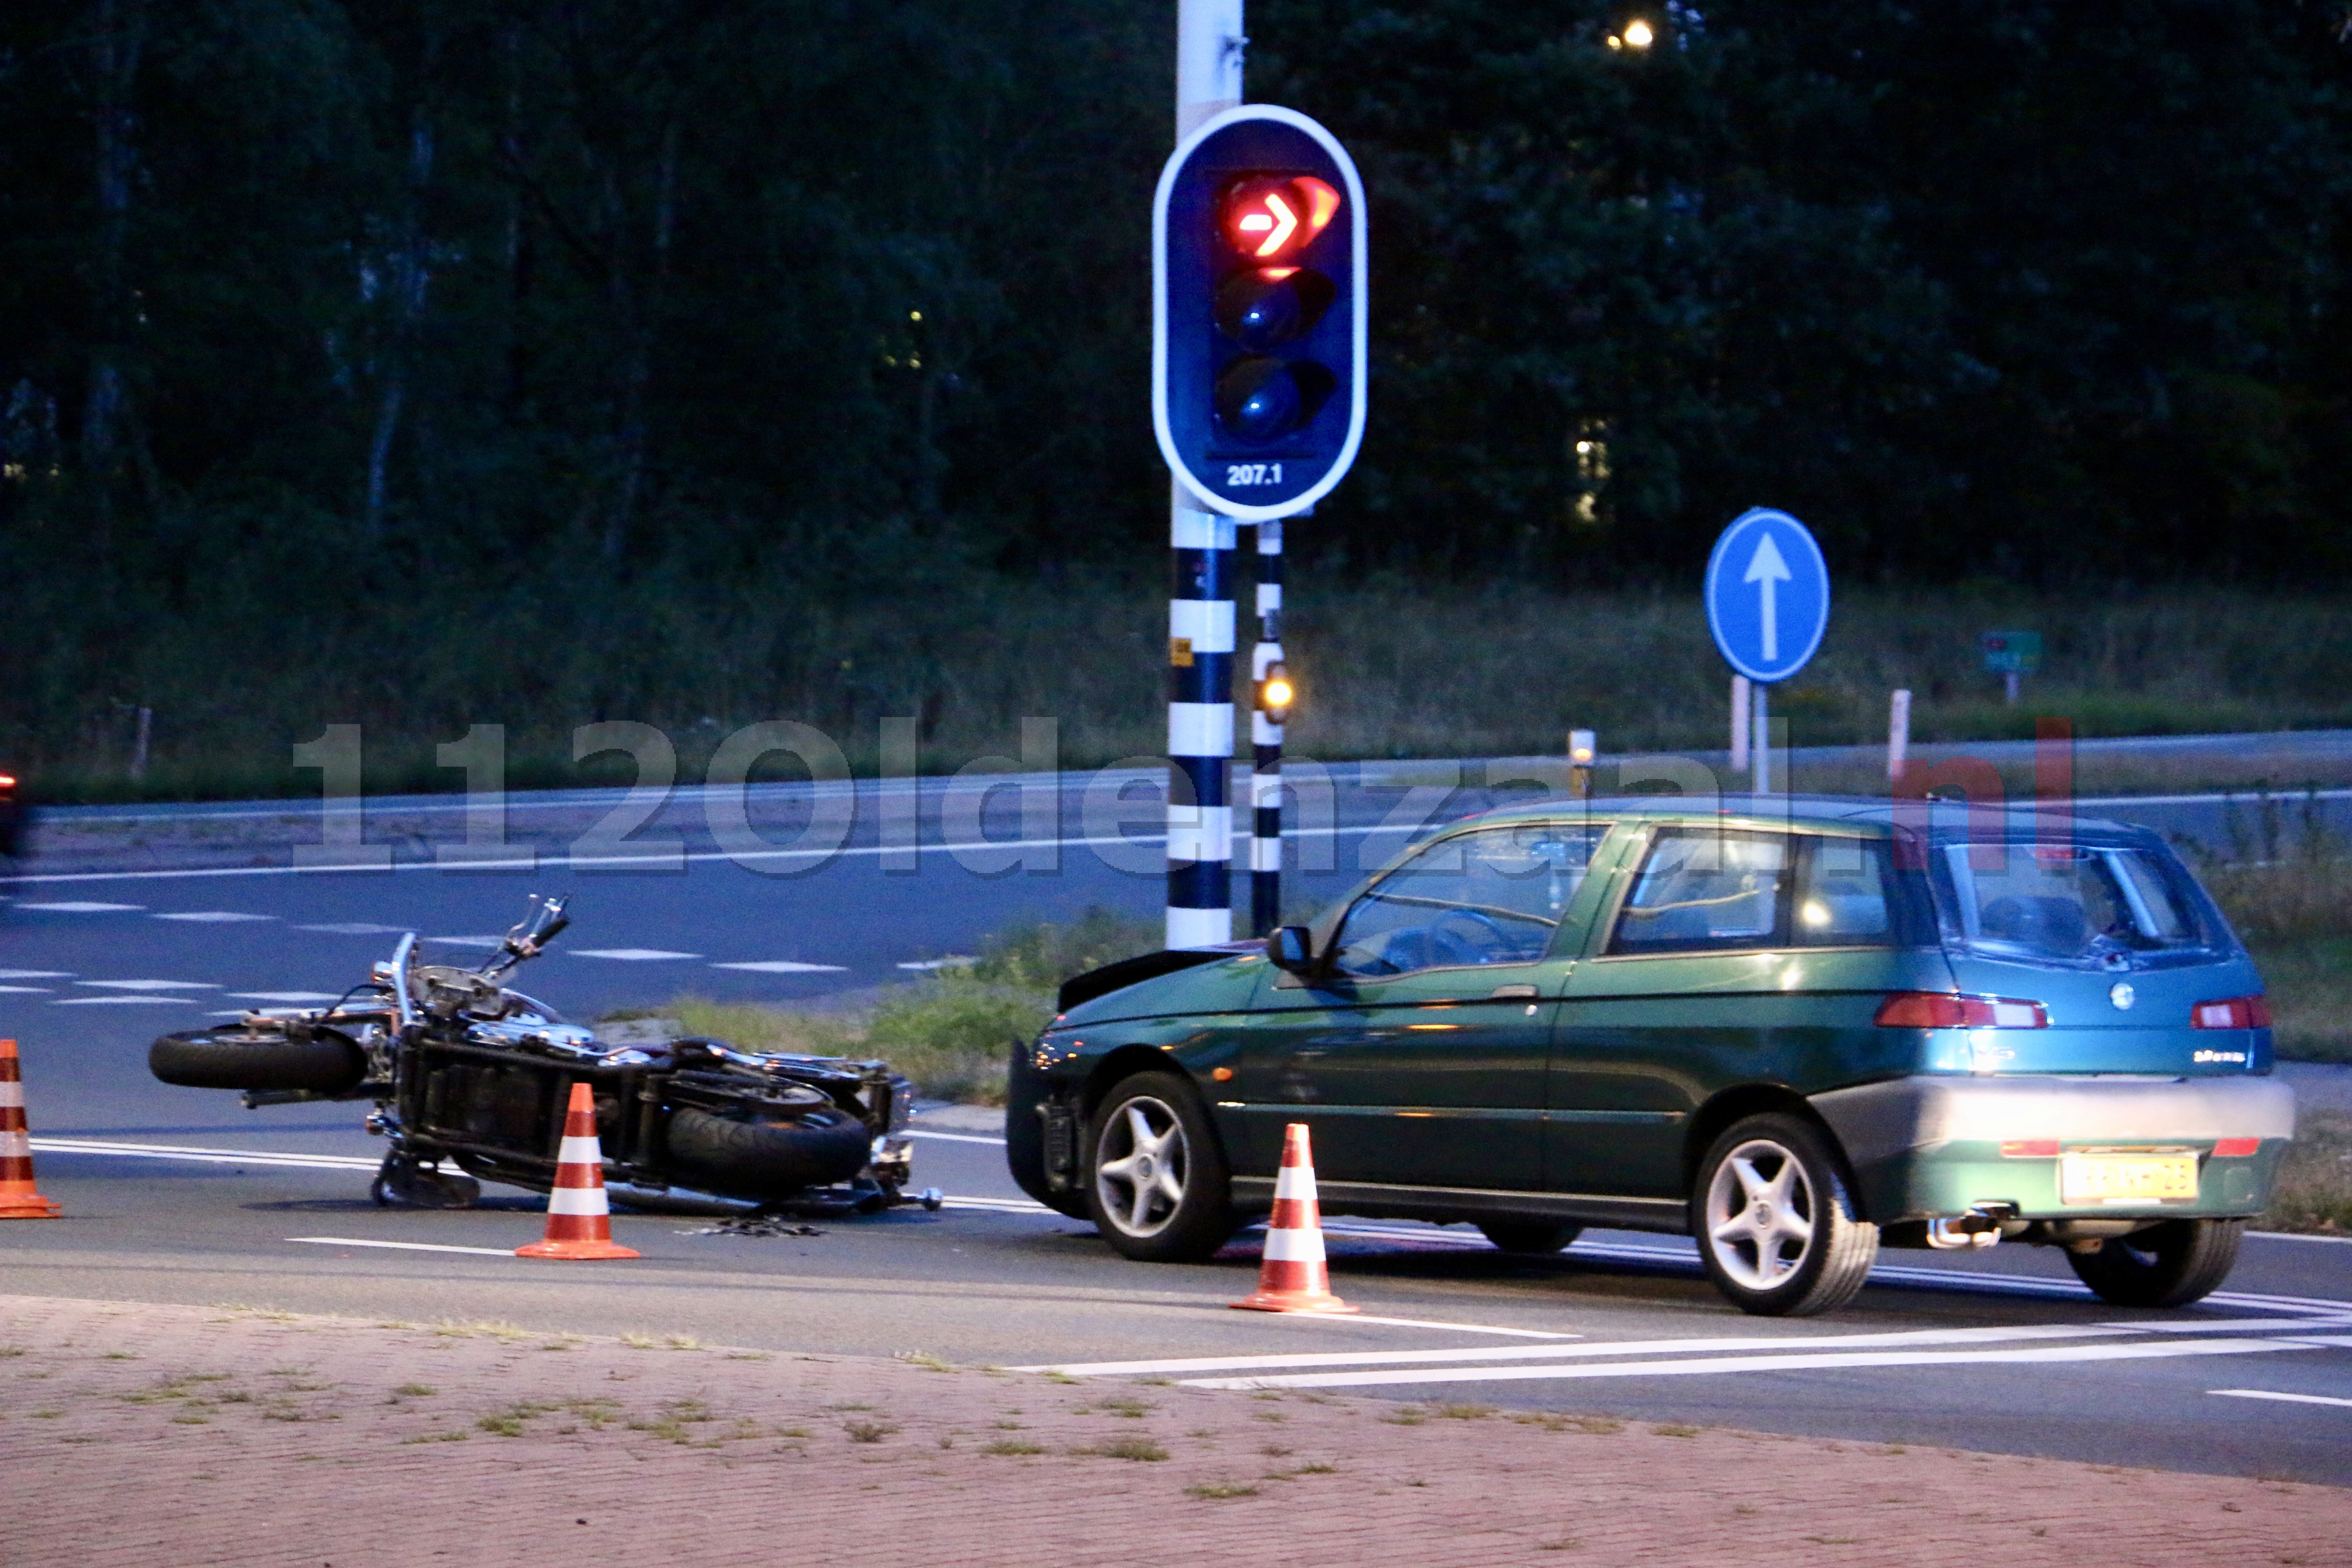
[[1943, 820]]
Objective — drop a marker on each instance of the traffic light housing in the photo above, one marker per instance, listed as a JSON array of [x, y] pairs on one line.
[[1258, 322]]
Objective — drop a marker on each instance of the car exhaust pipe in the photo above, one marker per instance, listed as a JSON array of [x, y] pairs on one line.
[[1972, 1232]]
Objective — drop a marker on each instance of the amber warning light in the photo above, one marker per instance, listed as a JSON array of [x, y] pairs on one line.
[[1267, 217]]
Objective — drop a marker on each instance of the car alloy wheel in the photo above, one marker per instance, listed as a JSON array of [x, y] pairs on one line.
[[1759, 1211], [1157, 1184], [1777, 1224], [1141, 1165]]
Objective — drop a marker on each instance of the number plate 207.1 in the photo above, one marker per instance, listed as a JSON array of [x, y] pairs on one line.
[[2127, 1178]]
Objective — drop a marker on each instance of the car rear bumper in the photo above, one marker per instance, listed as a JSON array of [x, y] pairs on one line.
[[1933, 1147]]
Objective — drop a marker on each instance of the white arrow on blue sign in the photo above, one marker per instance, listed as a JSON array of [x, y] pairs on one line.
[[1768, 595]]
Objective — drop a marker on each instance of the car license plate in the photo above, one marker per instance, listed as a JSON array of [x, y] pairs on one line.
[[2127, 1178]]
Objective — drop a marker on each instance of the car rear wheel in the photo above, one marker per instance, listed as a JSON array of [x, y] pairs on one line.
[[1155, 1181], [2169, 1265], [1776, 1223], [1536, 1237]]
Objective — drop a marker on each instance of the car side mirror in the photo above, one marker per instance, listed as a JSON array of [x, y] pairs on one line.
[[1289, 949]]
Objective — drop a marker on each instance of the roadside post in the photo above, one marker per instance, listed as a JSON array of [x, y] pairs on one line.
[[1767, 603], [1258, 398], [1898, 736], [2011, 654]]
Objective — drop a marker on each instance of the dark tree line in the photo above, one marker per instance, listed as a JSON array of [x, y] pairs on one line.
[[689, 290]]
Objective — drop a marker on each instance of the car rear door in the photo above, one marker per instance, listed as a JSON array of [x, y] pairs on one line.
[[1419, 1056], [1729, 955]]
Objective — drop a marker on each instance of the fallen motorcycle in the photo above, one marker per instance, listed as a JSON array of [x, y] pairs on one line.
[[466, 1072]]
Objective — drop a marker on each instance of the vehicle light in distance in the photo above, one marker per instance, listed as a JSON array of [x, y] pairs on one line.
[[2236, 1013], [2236, 1148], [2029, 1148], [1943, 1010]]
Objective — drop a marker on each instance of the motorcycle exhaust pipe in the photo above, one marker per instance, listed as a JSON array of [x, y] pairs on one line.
[[678, 1200]]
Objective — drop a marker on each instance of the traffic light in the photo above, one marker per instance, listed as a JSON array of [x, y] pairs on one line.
[[1258, 314]]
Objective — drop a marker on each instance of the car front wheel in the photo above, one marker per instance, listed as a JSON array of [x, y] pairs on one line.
[[1776, 1223], [2168, 1265], [1157, 1184]]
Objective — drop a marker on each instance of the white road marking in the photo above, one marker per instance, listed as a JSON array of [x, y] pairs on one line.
[[948, 962], [2287, 1398], [2294, 1235], [786, 967], [467, 940], [627, 954], [289, 995], [355, 928], [36, 974], [23, 989], [82, 907], [404, 1245], [1909, 1337], [954, 1137], [152, 984], [1002, 1206], [214, 916], [203, 1156], [122, 1001], [1433, 1323], [1717, 1365]]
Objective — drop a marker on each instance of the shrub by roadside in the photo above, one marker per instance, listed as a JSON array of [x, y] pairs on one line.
[[949, 1032]]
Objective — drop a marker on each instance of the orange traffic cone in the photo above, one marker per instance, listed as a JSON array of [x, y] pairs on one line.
[[1292, 1278], [17, 1198], [579, 1218]]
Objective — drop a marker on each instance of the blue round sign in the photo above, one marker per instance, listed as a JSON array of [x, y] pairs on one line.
[[1768, 595]]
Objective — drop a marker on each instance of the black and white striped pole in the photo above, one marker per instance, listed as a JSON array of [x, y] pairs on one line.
[[1272, 692], [1200, 729]]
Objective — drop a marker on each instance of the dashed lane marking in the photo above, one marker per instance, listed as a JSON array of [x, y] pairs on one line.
[[211, 917], [288, 997], [1719, 1365], [149, 984], [2284, 1398], [784, 966], [355, 928], [36, 974], [404, 1245], [80, 907], [124, 1001], [628, 954]]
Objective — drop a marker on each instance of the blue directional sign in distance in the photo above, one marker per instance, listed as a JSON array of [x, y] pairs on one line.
[[1768, 595]]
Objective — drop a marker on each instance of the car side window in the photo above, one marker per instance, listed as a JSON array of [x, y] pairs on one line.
[[1706, 889], [1496, 896], [1844, 893]]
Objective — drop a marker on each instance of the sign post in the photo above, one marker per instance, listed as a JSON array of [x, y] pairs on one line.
[[2010, 655], [1767, 603]]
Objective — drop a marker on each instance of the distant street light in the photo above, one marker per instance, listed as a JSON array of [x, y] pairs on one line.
[[1636, 36]]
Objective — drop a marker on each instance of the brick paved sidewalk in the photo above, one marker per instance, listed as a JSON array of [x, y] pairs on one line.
[[176, 1436]]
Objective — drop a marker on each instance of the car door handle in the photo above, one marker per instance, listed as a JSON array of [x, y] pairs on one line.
[[1512, 993]]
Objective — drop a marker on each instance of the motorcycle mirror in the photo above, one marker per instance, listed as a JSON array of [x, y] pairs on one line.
[[1291, 950]]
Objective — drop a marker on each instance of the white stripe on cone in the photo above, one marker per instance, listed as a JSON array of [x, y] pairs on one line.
[[12, 1093], [1294, 1182], [578, 1201], [580, 1152], [15, 1146], [1294, 1246]]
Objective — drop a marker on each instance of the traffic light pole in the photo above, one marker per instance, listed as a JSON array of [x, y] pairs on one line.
[[1209, 45], [1265, 740]]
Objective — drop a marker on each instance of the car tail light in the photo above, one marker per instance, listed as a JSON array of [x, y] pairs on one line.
[[1943, 1010], [2029, 1149], [2236, 1013], [7, 781], [2236, 1148]]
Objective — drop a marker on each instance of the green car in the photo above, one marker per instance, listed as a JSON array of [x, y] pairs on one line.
[[1797, 1029]]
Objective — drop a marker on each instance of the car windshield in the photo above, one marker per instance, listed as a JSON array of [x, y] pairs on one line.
[[2071, 903]]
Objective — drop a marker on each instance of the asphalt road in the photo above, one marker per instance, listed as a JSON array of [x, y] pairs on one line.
[[182, 1195]]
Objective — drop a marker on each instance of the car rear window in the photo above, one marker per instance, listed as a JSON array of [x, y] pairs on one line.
[[2077, 905]]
